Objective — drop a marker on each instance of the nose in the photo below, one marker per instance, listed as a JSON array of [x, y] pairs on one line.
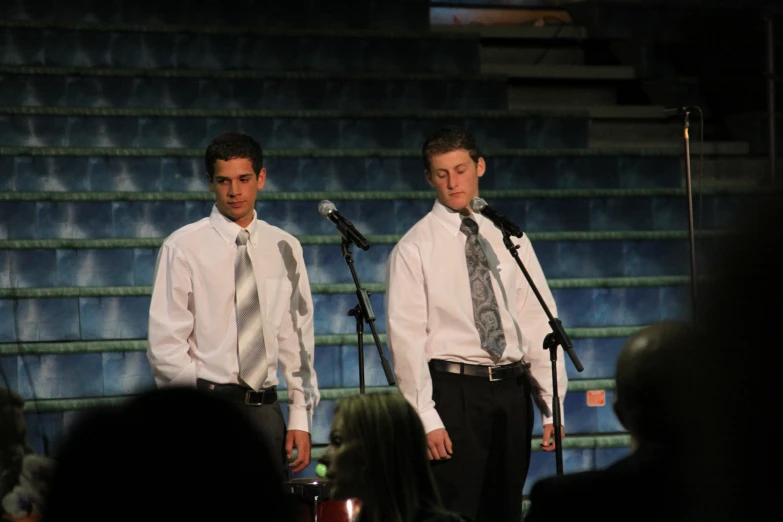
[[234, 188], [452, 180]]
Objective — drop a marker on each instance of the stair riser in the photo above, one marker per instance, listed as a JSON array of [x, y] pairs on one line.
[[139, 219], [84, 174], [229, 51], [95, 318], [557, 93], [271, 94], [44, 268], [88, 220], [292, 133], [531, 55], [129, 372], [353, 14]]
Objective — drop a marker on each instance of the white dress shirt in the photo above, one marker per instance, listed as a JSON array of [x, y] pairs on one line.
[[429, 309], [192, 322]]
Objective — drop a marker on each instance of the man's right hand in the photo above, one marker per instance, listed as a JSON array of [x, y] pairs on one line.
[[439, 445]]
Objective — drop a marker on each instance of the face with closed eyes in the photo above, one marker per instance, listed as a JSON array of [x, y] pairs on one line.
[[344, 462], [454, 176]]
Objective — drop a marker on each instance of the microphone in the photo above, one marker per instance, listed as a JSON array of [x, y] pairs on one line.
[[327, 209], [675, 111], [480, 206]]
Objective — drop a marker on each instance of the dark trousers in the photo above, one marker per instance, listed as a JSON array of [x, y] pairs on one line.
[[490, 425], [268, 421]]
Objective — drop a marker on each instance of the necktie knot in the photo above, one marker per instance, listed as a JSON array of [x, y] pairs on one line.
[[469, 227], [242, 237]]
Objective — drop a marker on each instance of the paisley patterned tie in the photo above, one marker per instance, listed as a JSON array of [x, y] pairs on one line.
[[485, 307]]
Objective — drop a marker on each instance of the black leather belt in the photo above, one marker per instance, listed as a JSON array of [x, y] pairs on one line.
[[493, 373], [237, 392]]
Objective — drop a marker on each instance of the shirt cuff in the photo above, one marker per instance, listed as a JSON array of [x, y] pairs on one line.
[[431, 420], [551, 420], [299, 419]]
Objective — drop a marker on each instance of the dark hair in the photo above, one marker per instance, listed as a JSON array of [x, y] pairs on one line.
[[448, 139], [142, 459], [392, 440], [232, 145], [650, 381]]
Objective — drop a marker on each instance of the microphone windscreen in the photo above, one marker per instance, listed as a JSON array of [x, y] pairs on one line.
[[326, 207], [477, 205]]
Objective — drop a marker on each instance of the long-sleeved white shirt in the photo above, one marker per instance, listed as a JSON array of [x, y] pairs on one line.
[[192, 320], [429, 309]]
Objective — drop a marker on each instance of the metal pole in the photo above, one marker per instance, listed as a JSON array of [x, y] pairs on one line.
[[770, 34], [689, 197]]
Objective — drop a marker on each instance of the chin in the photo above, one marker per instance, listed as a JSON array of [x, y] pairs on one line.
[[235, 213], [459, 205]]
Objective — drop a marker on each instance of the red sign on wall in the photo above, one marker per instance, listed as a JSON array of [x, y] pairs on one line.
[[596, 398]]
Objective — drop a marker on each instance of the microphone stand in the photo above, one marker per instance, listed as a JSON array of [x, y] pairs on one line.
[[558, 337], [689, 197], [363, 312]]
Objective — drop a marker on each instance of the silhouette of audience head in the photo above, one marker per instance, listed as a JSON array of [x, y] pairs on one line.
[[378, 454], [649, 384], [170, 454]]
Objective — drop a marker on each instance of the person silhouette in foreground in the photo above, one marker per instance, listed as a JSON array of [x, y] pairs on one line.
[[730, 447], [169, 454], [378, 454], [641, 486]]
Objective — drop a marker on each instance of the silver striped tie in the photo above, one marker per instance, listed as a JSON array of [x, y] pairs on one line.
[[253, 367]]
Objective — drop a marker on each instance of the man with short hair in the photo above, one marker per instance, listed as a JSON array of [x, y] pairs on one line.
[[231, 299], [466, 332]]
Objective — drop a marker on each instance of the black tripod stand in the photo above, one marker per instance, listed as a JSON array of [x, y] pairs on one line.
[[558, 337], [363, 313]]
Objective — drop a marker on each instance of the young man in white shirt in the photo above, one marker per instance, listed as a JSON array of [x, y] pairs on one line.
[[231, 299], [458, 305]]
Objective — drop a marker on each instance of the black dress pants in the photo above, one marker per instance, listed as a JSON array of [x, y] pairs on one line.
[[490, 425]]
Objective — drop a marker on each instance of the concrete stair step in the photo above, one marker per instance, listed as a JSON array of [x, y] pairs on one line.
[[561, 95], [730, 172], [611, 112], [524, 32], [711, 148], [562, 72], [634, 131], [531, 55]]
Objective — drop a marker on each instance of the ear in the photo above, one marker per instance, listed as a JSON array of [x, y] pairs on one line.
[[261, 179], [481, 167], [210, 183], [428, 177]]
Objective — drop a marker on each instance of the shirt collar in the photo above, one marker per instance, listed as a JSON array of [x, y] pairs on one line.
[[453, 220], [229, 230]]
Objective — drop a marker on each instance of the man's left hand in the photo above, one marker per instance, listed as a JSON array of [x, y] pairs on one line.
[[301, 440], [549, 437]]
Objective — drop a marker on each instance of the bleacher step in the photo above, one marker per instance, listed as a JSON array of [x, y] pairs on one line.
[[611, 112], [562, 72], [489, 32], [533, 55]]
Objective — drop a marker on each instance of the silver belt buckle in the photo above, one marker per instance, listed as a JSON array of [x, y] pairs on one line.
[[260, 403], [492, 377]]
